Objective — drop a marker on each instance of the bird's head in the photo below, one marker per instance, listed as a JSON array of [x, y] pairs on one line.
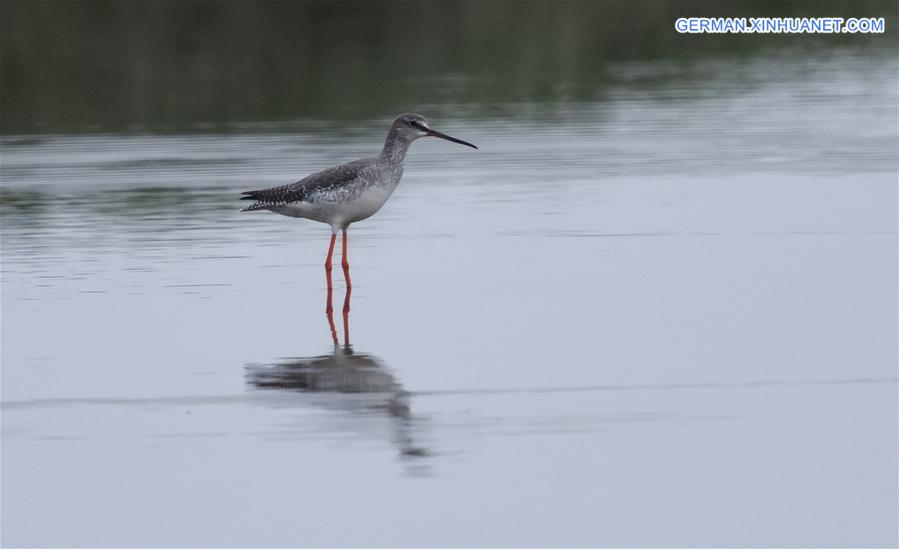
[[412, 126]]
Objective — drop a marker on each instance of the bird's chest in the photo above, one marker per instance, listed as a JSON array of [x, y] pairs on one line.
[[345, 204], [372, 196], [366, 203], [355, 204]]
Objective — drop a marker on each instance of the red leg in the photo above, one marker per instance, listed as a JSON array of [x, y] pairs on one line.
[[329, 312], [346, 316], [328, 260], [346, 262]]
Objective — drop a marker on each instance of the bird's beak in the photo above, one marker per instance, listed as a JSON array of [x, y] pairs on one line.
[[435, 133]]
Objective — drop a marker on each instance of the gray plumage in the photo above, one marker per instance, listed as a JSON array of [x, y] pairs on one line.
[[349, 192]]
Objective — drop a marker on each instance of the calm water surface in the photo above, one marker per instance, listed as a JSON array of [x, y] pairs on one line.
[[665, 318]]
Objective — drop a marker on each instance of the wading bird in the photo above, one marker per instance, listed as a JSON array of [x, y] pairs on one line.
[[349, 192]]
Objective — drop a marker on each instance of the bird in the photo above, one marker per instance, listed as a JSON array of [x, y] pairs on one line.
[[350, 192]]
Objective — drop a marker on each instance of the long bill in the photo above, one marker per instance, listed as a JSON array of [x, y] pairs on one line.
[[435, 133]]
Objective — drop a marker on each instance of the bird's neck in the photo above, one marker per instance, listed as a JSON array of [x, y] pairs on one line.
[[395, 148]]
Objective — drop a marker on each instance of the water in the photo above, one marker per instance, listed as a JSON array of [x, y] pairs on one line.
[[662, 318]]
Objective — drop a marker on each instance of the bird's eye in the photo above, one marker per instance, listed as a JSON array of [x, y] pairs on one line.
[[412, 123]]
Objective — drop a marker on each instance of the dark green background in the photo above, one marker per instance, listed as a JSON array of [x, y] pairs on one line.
[[210, 65]]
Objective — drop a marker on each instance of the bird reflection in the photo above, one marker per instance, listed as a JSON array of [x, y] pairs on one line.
[[345, 372]]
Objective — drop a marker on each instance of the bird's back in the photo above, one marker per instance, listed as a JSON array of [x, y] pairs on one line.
[[338, 195], [333, 180]]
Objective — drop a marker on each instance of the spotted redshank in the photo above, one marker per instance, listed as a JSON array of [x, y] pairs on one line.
[[350, 192]]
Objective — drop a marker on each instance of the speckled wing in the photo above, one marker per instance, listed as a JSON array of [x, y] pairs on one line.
[[307, 189]]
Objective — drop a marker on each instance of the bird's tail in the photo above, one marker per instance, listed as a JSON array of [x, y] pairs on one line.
[[253, 195]]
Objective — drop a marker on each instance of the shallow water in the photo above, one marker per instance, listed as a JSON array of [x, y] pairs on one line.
[[666, 318]]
